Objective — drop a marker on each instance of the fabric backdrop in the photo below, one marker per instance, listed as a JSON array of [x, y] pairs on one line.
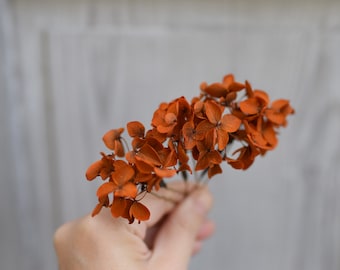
[[71, 70]]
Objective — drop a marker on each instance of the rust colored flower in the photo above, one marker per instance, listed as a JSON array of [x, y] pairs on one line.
[[102, 202], [254, 104], [169, 118], [112, 140], [102, 168], [164, 119], [263, 135], [279, 111], [119, 183], [159, 159], [189, 135], [245, 159], [227, 87], [199, 133], [221, 125], [139, 211], [208, 155]]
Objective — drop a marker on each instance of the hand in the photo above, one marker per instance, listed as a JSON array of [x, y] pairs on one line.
[[166, 241]]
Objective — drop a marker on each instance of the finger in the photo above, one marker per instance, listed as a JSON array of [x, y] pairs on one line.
[[176, 238], [197, 247], [206, 230], [160, 203]]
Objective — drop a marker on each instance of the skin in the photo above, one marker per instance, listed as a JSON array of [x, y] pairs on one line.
[[174, 232]]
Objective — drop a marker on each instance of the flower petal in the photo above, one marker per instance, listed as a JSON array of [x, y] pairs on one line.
[[94, 170], [170, 159], [128, 190], [143, 167], [236, 86], [118, 207], [215, 89], [189, 134], [135, 129], [275, 117], [123, 172], [279, 104], [181, 153], [203, 128], [149, 155], [262, 95], [111, 136], [97, 209], [103, 202], [230, 123], [213, 111], [250, 106], [163, 172], [139, 211], [170, 118], [122, 208], [213, 170], [249, 90], [118, 148], [207, 159], [228, 79], [270, 135], [105, 189], [222, 139]]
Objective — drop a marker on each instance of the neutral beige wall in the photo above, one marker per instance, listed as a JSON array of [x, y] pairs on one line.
[[70, 70]]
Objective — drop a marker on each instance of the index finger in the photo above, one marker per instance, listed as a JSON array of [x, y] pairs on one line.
[[160, 203]]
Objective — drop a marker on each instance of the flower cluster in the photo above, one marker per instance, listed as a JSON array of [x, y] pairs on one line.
[[202, 130]]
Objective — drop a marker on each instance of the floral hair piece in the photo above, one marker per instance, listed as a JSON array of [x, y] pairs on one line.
[[225, 114]]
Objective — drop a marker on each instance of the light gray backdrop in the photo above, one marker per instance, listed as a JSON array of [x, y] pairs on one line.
[[71, 70]]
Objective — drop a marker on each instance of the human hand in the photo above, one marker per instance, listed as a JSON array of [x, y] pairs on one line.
[[166, 241]]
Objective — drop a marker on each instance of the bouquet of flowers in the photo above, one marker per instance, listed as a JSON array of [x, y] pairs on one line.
[[228, 122]]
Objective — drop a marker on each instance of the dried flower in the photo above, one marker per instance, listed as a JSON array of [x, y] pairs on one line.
[[202, 131]]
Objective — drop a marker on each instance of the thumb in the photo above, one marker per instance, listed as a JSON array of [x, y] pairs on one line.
[[175, 240]]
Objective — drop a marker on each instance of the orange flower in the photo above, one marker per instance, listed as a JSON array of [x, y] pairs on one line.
[[159, 159], [260, 120], [182, 158], [255, 104], [102, 202], [102, 168], [279, 111], [245, 159], [227, 87], [129, 209], [222, 126], [139, 211], [189, 135], [136, 130], [163, 120], [170, 118], [119, 184], [262, 136], [112, 141], [203, 129], [121, 208], [208, 157]]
